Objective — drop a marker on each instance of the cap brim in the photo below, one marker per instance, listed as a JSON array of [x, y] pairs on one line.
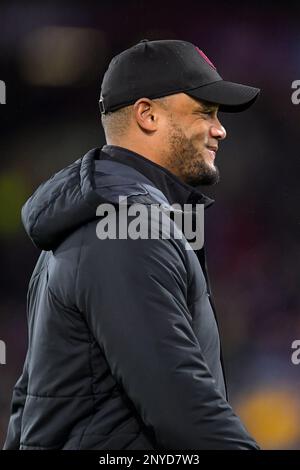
[[231, 97]]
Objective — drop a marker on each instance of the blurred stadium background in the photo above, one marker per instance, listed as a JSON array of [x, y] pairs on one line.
[[52, 59]]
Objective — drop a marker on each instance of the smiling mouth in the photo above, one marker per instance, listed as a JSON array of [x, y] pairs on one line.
[[212, 152]]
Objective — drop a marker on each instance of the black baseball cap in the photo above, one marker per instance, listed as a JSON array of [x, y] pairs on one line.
[[153, 69]]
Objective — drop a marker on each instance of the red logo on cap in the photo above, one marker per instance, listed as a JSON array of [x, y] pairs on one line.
[[205, 57]]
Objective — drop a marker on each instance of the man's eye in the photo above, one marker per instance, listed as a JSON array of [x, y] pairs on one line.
[[209, 113], [205, 113]]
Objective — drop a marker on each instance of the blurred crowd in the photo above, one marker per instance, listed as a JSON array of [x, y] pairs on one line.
[[52, 59]]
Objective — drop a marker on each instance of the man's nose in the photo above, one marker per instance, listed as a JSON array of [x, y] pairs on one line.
[[218, 131]]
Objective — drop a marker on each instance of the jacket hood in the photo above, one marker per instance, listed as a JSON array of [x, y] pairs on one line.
[[70, 197]]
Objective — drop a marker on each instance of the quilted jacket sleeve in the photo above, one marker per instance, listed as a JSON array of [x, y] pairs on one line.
[[134, 293], [12, 441]]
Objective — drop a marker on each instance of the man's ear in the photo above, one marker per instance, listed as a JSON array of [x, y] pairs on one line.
[[145, 114]]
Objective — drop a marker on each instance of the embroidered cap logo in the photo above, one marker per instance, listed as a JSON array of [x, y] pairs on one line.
[[205, 57]]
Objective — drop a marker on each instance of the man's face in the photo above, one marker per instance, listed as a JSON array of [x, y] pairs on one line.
[[190, 137]]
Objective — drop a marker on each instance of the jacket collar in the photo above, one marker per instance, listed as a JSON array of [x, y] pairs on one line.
[[172, 187]]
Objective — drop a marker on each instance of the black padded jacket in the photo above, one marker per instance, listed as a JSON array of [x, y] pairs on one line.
[[123, 349]]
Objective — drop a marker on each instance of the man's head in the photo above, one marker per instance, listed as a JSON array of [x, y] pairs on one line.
[[177, 132], [161, 98]]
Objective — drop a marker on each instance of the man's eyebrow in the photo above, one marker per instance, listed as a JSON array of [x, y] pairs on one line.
[[207, 107]]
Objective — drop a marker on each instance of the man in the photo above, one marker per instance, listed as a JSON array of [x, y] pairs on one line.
[[124, 348]]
